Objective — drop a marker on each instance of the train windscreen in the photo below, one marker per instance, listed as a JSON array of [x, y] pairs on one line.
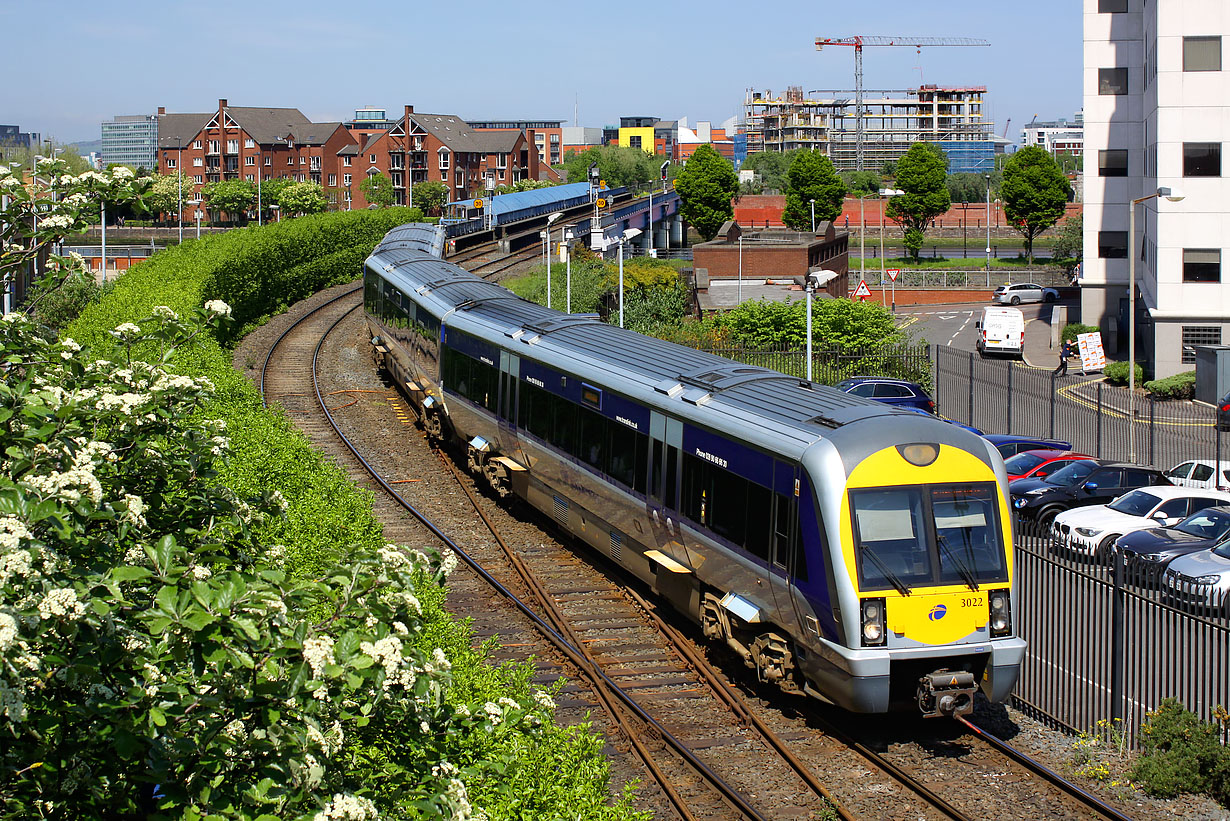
[[927, 535]]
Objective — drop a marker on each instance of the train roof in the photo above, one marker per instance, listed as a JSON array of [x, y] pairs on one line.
[[674, 373]]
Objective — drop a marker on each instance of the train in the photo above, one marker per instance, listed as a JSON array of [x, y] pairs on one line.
[[844, 549]]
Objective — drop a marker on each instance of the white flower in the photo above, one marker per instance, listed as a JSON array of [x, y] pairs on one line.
[[348, 808], [318, 652], [134, 510], [388, 653], [449, 563], [163, 312], [61, 602], [121, 172], [12, 531], [126, 330], [70, 344], [200, 572], [8, 631], [544, 700], [217, 307]]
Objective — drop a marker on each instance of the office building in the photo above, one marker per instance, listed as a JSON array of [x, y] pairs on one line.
[[131, 140]]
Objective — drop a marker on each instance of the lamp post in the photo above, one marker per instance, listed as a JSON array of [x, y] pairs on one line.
[[260, 219], [624, 237], [649, 225], [811, 287], [568, 270], [1172, 195], [103, 201], [740, 268], [179, 175], [813, 216], [988, 230], [546, 249], [886, 192], [196, 208]]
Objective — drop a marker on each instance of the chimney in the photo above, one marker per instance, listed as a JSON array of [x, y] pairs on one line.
[[409, 111], [162, 110], [221, 103]]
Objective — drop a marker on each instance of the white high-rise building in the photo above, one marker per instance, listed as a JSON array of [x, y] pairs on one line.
[[1157, 115]]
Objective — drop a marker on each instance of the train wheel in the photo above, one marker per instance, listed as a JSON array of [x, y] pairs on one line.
[[774, 658], [474, 461], [434, 426], [498, 478]]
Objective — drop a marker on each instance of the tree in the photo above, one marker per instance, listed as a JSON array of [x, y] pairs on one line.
[[966, 187], [862, 183], [921, 175], [430, 196], [270, 192], [1035, 193], [523, 185], [377, 189], [771, 167], [303, 198], [1068, 246], [706, 187], [167, 192], [234, 197], [619, 166], [812, 177]]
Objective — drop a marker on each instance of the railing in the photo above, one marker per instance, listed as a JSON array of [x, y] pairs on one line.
[[1004, 396], [830, 365], [921, 278], [1109, 638]]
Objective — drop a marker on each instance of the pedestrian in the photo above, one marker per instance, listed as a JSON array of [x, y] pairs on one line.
[[1065, 352]]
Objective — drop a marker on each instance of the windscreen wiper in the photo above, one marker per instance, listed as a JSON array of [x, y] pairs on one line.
[[965, 572], [892, 577]]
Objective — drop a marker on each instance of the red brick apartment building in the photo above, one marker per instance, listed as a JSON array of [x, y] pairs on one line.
[[246, 143]]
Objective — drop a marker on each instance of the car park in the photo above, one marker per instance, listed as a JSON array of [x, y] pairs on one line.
[[1199, 473], [1200, 582], [1091, 531], [1039, 464], [1080, 484], [1016, 293], [1010, 445], [1146, 553], [888, 390]]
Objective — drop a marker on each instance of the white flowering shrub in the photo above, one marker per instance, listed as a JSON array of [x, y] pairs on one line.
[[157, 660]]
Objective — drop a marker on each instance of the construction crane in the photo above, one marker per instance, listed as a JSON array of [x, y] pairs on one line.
[[1007, 125], [858, 41]]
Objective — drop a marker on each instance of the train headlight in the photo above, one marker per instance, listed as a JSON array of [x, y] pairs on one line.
[[920, 454], [1000, 612], [873, 622]]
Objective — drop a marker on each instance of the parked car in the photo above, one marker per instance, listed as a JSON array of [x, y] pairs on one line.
[[1080, 484], [1147, 552], [1200, 582], [1223, 413], [1015, 294], [1199, 473], [949, 421], [1091, 532], [889, 391], [1039, 463], [1010, 445]]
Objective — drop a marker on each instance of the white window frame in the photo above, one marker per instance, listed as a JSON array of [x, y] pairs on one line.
[[346, 179], [198, 179], [232, 146], [171, 162], [249, 143], [196, 144], [444, 158], [268, 160], [197, 162], [333, 180], [249, 160]]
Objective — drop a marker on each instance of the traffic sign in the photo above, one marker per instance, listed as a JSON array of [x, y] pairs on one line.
[[862, 291], [892, 273], [478, 203], [601, 203]]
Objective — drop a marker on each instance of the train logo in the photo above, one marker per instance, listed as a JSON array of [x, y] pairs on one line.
[[937, 612]]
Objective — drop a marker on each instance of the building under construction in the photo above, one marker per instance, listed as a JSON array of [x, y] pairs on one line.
[[825, 121]]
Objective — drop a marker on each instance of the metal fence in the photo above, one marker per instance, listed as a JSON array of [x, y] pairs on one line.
[[830, 365], [1110, 640], [1004, 396], [961, 277]]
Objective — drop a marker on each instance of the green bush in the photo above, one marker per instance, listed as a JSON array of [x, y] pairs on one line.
[[547, 772], [60, 306], [1179, 386], [1075, 329], [1182, 754], [1117, 373]]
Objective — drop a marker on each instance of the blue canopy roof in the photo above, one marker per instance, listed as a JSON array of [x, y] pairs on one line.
[[502, 204]]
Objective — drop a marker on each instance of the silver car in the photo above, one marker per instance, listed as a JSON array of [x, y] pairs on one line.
[[1200, 581], [1024, 292]]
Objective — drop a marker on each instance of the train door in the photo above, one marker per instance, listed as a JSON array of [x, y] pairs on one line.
[[662, 501], [506, 409], [785, 542]]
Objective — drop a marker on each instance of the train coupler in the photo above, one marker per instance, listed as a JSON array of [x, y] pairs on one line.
[[946, 693]]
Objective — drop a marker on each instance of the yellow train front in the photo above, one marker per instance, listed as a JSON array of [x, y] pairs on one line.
[[919, 535]]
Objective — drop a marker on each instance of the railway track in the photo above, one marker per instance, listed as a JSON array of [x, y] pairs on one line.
[[654, 686]]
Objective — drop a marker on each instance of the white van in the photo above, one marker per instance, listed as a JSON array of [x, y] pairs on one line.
[[1001, 330]]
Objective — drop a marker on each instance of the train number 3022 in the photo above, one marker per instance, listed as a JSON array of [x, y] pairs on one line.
[[973, 601]]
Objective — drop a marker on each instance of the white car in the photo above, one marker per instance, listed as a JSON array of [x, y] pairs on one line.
[[1019, 292], [1091, 531], [1200, 581], [1199, 473]]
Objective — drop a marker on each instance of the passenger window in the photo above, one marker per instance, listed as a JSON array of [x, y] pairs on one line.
[[593, 440], [759, 520], [1201, 503], [1202, 473], [867, 389], [1175, 508], [1179, 471]]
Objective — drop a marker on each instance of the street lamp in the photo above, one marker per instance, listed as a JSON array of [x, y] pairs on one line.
[[631, 233], [546, 249], [813, 215], [740, 268], [568, 270], [988, 176], [196, 208], [1171, 195]]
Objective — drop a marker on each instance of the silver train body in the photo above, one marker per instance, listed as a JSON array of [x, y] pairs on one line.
[[842, 548]]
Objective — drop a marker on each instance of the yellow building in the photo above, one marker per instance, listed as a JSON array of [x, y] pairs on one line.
[[641, 138]]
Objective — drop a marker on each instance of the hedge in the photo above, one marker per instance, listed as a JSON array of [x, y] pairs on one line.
[[1075, 329], [560, 772], [1179, 386], [1117, 373]]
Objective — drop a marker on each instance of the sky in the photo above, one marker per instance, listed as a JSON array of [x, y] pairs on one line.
[[85, 62]]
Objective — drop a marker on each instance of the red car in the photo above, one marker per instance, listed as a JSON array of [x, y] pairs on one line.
[[1036, 464]]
